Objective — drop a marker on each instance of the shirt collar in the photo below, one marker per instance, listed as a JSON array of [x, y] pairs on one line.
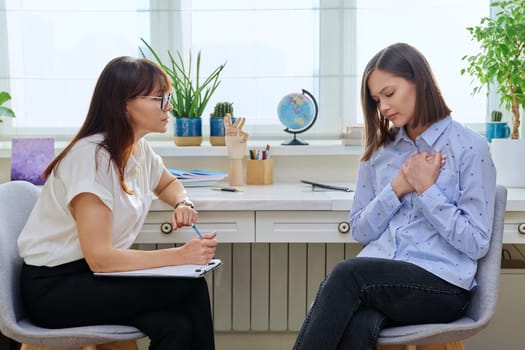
[[134, 160], [430, 135]]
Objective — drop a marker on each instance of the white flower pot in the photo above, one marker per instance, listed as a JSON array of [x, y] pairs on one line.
[[508, 155]]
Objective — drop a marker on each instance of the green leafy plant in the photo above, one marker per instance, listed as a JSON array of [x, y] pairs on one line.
[[501, 56], [5, 111], [221, 109], [191, 94], [496, 116]]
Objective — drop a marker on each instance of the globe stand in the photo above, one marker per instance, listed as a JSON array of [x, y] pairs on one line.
[[294, 141]]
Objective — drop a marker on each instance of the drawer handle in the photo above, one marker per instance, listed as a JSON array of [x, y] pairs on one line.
[[521, 228], [166, 227], [343, 227]]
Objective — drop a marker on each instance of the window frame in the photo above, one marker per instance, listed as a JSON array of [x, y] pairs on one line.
[[337, 69]]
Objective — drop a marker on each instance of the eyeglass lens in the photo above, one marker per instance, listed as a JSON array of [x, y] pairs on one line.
[[165, 101]]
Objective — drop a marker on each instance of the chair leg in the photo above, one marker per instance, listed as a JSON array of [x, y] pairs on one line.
[[34, 347], [118, 345], [458, 345]]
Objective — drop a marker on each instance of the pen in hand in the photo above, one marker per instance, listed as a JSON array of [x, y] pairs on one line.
[[197, 231]]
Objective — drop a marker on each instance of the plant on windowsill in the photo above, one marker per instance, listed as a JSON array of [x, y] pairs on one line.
[[495, 116], [500, 63], [220, 110], [501, 57], [191, 94], [5, 111]]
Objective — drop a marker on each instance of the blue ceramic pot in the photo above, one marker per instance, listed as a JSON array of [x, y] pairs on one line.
[[217, 131], [186, 126], [188, 131]]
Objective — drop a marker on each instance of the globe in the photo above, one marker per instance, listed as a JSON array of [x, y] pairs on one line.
[[297, 112]]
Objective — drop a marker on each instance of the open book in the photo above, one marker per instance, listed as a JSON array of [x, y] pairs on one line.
[[184, 271]]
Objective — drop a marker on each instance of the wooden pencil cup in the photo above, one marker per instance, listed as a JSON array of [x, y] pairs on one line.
[[259, 172]]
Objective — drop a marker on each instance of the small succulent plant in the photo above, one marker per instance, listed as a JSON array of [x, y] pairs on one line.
[[222, 108], [495, 116]]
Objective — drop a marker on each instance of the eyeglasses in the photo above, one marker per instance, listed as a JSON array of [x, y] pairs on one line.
[[164, 100]]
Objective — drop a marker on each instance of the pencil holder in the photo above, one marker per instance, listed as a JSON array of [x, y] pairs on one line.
[[259, 172]]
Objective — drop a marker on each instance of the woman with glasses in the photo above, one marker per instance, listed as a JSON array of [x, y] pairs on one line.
[[423, 209], [96, 197]]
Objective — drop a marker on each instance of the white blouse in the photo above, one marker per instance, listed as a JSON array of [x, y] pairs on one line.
[[50, 237]]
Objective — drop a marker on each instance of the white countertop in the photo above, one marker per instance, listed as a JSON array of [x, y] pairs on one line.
[[270, 197], [292, 196]]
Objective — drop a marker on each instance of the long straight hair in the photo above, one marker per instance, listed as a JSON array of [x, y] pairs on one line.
[[404, 61], [123, 79]]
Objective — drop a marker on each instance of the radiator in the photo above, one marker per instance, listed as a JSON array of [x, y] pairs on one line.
[[268, 286]]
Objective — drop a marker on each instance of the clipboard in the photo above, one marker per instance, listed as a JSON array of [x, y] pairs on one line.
[[178, 271], [316, 185]]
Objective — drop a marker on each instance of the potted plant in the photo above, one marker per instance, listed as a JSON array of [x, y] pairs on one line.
[[190, 96], [500, 60], [499, 63], [495, 116], [220, 110], [5, 111], [495, 128]]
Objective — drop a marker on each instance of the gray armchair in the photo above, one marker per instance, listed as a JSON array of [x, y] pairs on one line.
[[481, 309], [17, 199]]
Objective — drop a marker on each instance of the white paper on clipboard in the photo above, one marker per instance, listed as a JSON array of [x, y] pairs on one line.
[[180, 271]]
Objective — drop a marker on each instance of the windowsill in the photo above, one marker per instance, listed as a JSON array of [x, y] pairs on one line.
[[169, 149]]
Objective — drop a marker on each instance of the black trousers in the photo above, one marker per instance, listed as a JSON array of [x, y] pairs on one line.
[[8, 344], [175, 313]]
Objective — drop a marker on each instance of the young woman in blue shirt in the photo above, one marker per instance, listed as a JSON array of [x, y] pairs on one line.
[[423, 208]]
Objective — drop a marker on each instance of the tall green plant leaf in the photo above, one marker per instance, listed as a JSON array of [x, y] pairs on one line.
[[5, 111], [190, 97]]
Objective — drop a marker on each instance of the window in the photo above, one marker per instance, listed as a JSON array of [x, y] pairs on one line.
[[437, 29], [271, 49], [55, 50]]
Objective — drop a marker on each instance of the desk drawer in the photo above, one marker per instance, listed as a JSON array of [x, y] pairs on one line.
[[231, 226], [303, 226], [514, 229]]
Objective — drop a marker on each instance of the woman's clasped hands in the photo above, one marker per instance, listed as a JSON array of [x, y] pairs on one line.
[[418, 172]]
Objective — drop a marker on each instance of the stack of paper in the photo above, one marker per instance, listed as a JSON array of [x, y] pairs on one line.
[[197, 178]]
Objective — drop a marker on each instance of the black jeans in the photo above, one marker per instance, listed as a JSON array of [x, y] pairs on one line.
[[175, 313], [362, 295]]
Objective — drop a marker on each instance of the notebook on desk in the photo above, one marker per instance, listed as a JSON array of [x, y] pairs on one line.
[[180, 271]]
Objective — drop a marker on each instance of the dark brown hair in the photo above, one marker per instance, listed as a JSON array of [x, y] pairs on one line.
[[406, 62], [123, 79]]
